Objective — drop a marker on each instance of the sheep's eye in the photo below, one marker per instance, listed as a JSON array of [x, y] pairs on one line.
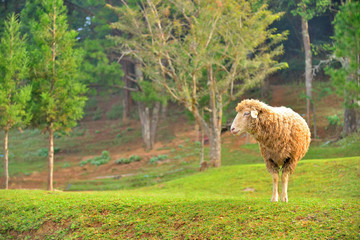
[[246, 113]]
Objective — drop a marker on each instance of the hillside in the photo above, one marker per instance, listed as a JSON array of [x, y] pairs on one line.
[[324, 203]]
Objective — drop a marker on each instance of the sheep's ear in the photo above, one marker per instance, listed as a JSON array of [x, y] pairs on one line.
[[254, 113]]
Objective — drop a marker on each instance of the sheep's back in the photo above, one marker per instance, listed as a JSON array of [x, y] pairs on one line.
[[285, 135]]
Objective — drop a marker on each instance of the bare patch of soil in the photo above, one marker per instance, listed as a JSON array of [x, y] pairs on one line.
[[48, 228]]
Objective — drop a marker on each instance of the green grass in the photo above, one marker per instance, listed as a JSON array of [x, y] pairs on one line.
[[346, 147], [250, 153], [24, 150], [185, 161], [324, 203], [245, 154], [147, 176], [28, 149]]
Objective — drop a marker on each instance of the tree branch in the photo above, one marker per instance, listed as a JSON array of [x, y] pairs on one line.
[[132, 89]]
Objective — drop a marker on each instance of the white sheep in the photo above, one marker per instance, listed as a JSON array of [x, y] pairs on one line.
[[283, 136]]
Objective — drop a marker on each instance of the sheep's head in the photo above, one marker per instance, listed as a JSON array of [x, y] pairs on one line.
[[248, 111]]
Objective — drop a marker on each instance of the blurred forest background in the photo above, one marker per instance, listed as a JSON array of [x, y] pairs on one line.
[[152, 82]]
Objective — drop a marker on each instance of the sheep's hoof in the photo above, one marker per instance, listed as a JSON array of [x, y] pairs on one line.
[[275, 198], [284, 198]]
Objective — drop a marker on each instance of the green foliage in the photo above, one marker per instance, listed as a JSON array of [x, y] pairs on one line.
[[132, 158], [66, 165], [122, 161], [158, 158], [149, 94], [97, 115], [115, 112], [129, 129], [8, 8], [57, 92], [347, 51], [91, 104], [91, 19], [334, 120], [322, 90], [78, 132], [308, 9], [97, 68], [14, 93], [98, 160], [44, 152]]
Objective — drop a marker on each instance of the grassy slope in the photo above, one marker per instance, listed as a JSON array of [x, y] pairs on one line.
[[324, 203]]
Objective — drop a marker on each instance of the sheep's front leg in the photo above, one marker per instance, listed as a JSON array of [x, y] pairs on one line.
[[284, 180], [273, 169], [275, 195]]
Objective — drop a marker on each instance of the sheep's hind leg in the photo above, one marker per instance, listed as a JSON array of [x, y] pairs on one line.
[[284, 180], [286, 171], [275, 195], [273, 169]]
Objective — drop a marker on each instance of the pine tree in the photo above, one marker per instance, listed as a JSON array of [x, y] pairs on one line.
[[58, 94], [347, 50], [14, 93]]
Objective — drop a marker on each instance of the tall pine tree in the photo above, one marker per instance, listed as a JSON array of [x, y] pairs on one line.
[[14, 93], [347, 50], [58, 94]]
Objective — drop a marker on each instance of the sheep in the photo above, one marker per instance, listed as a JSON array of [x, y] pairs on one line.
[[283, 135]]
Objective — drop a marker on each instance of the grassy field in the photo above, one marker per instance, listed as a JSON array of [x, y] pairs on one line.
[[324, 203]]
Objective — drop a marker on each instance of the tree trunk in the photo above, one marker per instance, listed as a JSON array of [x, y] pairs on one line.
[[125, 113], [144, 113], [350, 124], [154, 122], [314, 119], [145, 124], [203, 164], [197, 131], [308, 66], [215, 121], [51, 158], [163, 110], [215, 148], [214, 133], [126, 97], [148, 122], [6, 159], [349, 120]]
